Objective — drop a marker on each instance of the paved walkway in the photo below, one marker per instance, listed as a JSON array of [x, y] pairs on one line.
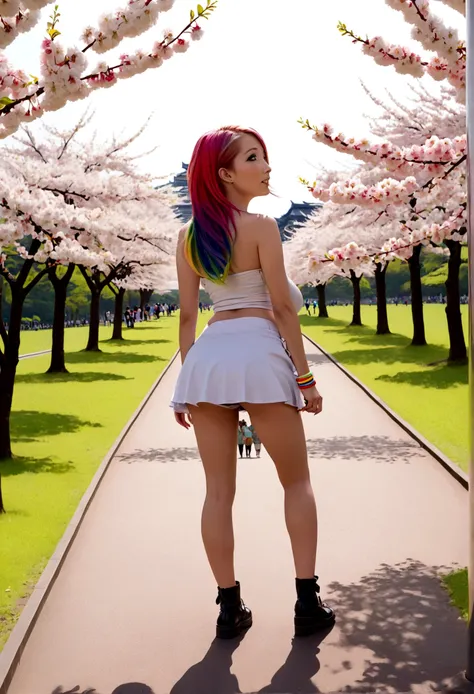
[[135, 600], [34, 354]]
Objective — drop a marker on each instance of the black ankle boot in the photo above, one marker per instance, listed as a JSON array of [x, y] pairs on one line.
[[311, 614], [234, 617]]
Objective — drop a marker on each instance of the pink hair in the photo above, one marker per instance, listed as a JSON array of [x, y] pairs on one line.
[[211, 234]]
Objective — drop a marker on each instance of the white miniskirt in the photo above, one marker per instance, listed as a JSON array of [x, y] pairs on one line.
[[237, 361]]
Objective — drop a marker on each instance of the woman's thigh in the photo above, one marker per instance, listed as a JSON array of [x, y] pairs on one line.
[[216, 434], [281, 431]]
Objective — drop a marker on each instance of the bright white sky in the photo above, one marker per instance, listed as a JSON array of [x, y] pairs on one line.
[[262, 63]]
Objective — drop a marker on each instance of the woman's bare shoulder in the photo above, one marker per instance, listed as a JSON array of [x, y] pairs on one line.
[[257, 221], [183, 231]]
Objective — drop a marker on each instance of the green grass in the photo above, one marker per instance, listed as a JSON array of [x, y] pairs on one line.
[[413, 381], [457, 586], [432, 398], [62, 427], [39, 340]]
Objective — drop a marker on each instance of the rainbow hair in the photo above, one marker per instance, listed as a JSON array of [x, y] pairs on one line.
[[210, 236]]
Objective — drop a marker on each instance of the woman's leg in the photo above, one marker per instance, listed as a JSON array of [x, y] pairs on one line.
[[216, 434], [241, 449], [248, 450], [281, 431]]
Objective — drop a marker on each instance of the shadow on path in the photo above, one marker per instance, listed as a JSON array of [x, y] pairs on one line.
[[128, 688], [401, 616], [159, 455], [381, 449], [395, 631]]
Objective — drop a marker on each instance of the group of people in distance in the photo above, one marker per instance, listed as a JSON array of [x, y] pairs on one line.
[[246, 436]]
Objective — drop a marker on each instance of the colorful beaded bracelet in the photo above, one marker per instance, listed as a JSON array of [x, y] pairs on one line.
[[306, 381]]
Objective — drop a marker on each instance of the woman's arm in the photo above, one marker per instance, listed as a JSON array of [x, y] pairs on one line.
[[188, 285], [271, 259]]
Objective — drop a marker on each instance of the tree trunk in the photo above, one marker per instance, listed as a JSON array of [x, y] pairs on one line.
[[8, 370], [419, 338], [2, 507], [145, 296], [457, 344], [381, 289], [323, 310], [94, 321], [58, 364], [356, 314], [118, 315]]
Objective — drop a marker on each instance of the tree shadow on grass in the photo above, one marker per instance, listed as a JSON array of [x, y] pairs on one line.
[[74, 377], [401, 616], [442, 377], [391, 355], [127, 341], [19, 465], [155, 326], [383, 340], [108, 357], [29, 425], [312, 321], [380, 449], [159, 455]]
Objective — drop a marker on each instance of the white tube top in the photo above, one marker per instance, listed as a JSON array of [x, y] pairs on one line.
[[246, 290]]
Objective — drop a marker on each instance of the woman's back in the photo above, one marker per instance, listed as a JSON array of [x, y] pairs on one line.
[[245, 292], [245, 248]]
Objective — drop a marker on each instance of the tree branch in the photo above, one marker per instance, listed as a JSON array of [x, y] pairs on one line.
[[35, 280], [33, 144], [7, 275], [89, 280], [28, 264]]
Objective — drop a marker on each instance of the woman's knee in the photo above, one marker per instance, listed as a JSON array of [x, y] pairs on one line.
[[220, 493], [296, 480]]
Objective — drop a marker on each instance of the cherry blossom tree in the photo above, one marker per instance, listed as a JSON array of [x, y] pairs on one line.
[[60, 215], [413, 181], [95, 176], [66, 74], [43, 224]]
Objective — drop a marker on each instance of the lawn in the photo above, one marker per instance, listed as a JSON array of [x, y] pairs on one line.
[[62, 427], [431, 396]]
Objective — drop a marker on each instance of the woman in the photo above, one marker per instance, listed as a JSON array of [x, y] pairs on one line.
[[240, 439], [240, 362], [248, 439]]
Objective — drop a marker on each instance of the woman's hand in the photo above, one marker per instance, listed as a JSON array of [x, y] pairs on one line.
[[313, 401], [182, 421]]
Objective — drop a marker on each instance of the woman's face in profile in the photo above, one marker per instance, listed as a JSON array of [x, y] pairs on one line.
[[250, 172]]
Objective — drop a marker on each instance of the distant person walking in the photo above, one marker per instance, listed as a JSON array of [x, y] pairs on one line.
[[256, 441], [248, 439], [240, 440]]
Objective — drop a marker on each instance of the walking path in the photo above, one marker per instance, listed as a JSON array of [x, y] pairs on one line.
[[34, 354], [134, 602]]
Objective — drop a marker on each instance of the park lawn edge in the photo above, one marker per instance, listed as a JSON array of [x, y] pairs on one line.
[[22, 589], [454, 582]]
